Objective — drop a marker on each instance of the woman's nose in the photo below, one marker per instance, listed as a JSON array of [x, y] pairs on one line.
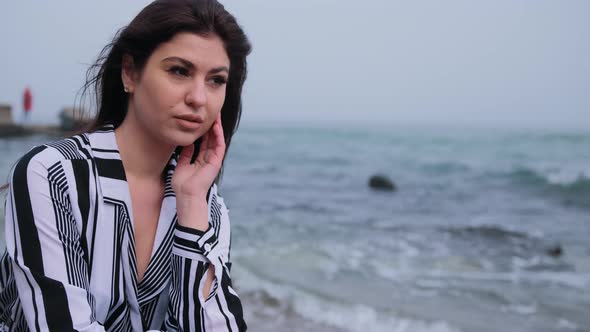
[[197, 94]]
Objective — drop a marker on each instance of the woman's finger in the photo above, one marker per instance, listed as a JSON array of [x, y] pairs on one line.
[[212, 144], [206, 142], [219, 137], [186, 154]]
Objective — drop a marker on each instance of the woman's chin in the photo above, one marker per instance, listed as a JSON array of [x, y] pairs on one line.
[[182, 138]]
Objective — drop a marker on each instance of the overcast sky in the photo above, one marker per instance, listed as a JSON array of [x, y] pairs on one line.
[[381, 62]]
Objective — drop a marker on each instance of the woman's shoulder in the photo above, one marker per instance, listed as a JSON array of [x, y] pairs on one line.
[[45, 156], [80, 146]]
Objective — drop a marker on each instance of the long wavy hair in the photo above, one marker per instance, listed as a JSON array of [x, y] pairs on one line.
[[158, 23]]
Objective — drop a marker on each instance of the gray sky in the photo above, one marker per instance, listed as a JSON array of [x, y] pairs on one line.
[[375, 62]]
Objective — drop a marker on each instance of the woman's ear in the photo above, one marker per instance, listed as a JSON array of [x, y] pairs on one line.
[[128, 73]]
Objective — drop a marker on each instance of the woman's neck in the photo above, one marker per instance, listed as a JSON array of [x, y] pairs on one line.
[[143, 156]]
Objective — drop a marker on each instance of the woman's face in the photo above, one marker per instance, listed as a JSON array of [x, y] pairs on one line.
[[181, 89]]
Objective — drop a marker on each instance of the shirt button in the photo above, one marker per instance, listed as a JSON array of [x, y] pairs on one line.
[[207, 247]]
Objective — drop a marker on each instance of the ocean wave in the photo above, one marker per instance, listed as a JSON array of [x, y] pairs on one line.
[[569, 188], [439, 278], [510, 250], [521, 309], [574, 179], [445, 167], [572, 138], [281, 305], [493, 241], [458, 248], [489, 231]]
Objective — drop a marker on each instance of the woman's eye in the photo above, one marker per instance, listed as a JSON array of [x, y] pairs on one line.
[[180, 71], [219, 80]]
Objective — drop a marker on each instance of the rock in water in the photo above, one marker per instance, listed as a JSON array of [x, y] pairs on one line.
[[381, 182], [555, 251]]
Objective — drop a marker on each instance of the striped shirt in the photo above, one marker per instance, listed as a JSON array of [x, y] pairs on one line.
[[70, 262]]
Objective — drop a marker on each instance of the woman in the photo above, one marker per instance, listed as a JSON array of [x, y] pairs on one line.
[[111, 230]]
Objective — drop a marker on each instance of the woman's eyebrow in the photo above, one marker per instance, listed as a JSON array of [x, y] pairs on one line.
[[185, 62], [219, 69], [191, 66]]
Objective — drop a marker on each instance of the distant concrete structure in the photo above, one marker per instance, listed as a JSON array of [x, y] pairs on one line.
[[6, 115], [72, 119], [7, 125]]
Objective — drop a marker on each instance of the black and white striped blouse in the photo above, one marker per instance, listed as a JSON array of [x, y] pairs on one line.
[[70, 262]]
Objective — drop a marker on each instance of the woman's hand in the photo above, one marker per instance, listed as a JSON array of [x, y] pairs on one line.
[[192, 181]]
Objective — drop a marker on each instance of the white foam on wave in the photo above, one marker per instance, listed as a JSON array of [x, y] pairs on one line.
[[346, 316], [566, 176], [565, 278], [562, 174], [565, 324], [361, 318], [522, 309]]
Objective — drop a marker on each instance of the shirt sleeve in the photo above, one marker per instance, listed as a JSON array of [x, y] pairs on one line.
[[193, 251], [43, 244]]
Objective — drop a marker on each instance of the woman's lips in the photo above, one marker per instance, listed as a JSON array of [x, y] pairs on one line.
[[189, 121]]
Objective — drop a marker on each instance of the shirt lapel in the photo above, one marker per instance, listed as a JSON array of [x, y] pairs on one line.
[[156, 276], [115, 190]]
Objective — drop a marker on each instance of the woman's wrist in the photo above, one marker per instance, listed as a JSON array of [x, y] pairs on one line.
[[193, 214]]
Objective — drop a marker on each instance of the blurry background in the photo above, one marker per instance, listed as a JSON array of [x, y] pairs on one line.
[[479, 112]]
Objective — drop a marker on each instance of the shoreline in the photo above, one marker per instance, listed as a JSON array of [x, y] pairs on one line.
[[14, 130]]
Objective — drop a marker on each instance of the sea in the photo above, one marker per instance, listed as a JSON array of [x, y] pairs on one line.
[[487, 230]]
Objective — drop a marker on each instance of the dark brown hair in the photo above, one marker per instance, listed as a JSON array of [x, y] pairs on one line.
[[157, 23]]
